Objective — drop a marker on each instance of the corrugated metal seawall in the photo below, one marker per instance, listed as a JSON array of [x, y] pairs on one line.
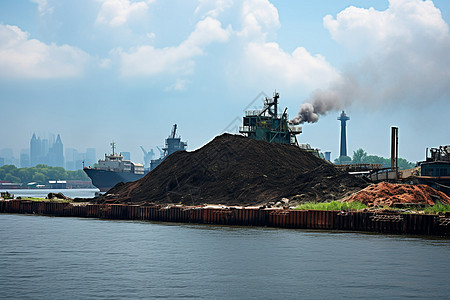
[[309, 219]]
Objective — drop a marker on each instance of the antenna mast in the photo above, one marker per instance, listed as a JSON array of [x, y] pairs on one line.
[[113, 145]]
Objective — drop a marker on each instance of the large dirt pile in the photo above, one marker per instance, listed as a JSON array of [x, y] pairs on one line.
[[387, 194], [234, 170]]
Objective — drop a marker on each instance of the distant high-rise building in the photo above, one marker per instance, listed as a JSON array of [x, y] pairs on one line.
[[55, 153], [25, 158], [41, 152], [44, 148], [51, 139], [2, 161], [35, 150], [75, 160], [71, 155], [79, 163], [8, 156], [91, 156]]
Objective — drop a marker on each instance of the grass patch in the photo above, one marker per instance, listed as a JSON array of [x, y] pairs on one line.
[[333, 205], [353, 206], [437, 208], [45, 200], [427, 209]]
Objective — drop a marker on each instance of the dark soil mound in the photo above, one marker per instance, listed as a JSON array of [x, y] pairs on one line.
[[234, 170]]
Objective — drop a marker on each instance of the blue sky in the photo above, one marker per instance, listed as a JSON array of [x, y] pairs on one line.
[[101, 70]]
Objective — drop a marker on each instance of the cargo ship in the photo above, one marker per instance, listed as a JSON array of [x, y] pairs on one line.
[[114, 169]]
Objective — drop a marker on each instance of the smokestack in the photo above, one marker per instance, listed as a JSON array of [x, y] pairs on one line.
[[343, 118], [394, 149]]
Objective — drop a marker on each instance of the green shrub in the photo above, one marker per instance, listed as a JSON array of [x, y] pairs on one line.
[[333, 205], [437, 208]]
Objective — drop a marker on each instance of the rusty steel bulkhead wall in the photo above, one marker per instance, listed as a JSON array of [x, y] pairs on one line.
[[310, 219]]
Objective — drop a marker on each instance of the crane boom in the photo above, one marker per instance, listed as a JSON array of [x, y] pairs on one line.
[[174, 131]]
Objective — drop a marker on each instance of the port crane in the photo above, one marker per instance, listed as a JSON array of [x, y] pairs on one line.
[[148, 156]]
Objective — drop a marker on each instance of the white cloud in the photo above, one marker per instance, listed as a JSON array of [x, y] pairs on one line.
[[105, 63], [401, 56], [268, 62], [265, 62], [21, 57], [118, 12], [149, 61], [405, 21], [213, 7], [404, 50], [179, 85], [258, 18], [43, 6], [259, 60]]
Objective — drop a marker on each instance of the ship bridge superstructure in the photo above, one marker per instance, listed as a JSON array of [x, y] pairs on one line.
[[173, 144], [116, 162]]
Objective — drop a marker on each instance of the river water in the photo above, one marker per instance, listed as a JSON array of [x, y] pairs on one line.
[[42, 193], [75, 258]]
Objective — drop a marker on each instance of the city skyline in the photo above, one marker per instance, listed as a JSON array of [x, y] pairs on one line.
[[124, 71], [50, 151]]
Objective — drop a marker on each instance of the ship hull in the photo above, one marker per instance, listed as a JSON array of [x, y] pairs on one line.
[[105, 180]]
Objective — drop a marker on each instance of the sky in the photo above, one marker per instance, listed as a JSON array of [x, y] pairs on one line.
[[96, 71]]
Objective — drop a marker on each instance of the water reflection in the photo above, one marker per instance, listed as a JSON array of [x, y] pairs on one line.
[[57, 258]]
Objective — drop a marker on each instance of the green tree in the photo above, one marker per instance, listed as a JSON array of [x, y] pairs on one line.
[[359, 156], [26, 174], [11, 178], [374, 159], [9, 168], [78, 175], [403, 164], [39, 178], [343, 160], [40, 173], [56, 173]]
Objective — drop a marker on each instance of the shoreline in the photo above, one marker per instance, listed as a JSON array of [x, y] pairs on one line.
[[380, 222]]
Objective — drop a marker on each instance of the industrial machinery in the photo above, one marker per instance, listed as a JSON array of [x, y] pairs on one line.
[[268, 125], [441, 154], [173, 144], [435, 170]]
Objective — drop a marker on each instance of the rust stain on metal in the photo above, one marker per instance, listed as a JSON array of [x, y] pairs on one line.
[[312, 219]]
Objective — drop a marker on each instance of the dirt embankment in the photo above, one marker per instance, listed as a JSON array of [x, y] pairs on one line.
[[387, 194], [234, 170]]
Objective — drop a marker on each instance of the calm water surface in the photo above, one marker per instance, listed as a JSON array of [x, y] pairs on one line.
[[74, 258], [42, 193]]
